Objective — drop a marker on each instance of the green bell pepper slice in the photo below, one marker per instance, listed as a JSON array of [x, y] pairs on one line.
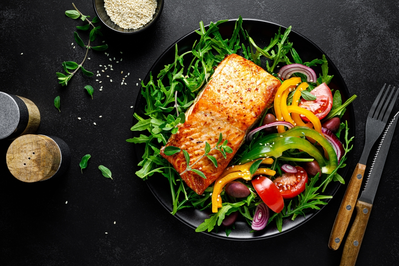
[[273, 145]]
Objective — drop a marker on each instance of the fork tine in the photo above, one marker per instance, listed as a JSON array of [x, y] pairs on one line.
[[381, 103], [391, 104], [376, 102]]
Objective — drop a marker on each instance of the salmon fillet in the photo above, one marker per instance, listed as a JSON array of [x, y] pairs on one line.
[[231, 103]]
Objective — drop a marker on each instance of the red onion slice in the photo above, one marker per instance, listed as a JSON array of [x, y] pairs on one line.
[[287, 168], [287, 70], [334, 141], [261, 217], [274, 124]]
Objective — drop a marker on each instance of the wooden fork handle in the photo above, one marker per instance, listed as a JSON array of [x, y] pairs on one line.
[[356, 233], [347, 206]]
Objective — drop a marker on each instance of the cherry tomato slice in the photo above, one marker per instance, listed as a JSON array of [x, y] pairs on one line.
[[269, 193], [291, 185], [323, 103]]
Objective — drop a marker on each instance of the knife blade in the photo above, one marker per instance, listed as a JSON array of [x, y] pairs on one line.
[[366, 199]]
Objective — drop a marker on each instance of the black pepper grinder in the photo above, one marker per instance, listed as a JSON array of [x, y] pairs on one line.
[[18, 116]]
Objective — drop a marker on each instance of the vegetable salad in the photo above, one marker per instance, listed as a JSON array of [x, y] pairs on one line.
[[287, 161]]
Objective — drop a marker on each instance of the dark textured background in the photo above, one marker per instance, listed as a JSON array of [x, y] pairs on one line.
[[64, 221]]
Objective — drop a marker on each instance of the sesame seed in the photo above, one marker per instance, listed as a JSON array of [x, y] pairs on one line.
[[79, 118], [94, 123]]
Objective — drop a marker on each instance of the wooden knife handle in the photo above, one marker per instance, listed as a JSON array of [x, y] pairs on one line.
[[347, 206], [356, 233]]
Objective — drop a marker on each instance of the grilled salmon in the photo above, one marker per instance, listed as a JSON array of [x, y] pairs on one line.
[[231, 103]]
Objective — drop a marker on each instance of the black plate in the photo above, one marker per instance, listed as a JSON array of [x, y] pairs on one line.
[[261, 32]]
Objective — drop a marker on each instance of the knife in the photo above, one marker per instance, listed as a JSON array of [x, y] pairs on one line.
[[366, 199]]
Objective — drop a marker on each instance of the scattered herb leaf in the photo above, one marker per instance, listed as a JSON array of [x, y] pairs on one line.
[[90, 90], [57, 103], [84, 161], [105, 171]]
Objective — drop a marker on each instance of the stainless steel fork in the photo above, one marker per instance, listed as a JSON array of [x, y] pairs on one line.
[[375, 124]]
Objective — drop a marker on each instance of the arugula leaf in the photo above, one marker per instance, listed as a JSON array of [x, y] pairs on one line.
[[338, 110], [324, 77]]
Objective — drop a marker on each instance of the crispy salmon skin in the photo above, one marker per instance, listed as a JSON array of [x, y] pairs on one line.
[[231, 103]]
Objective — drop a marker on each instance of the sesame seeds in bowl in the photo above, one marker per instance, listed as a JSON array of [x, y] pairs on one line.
[[128, 16]]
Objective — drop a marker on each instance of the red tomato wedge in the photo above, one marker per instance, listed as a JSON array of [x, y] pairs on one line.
[[269, 193], [323, 103], [291, 185]]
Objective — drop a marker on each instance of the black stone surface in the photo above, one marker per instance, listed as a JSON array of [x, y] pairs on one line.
[[86, 219]]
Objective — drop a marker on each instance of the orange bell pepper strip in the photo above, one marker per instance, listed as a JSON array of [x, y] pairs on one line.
[[286, 85], [236, 172], [295, 102], [284, 110], [312, 118]]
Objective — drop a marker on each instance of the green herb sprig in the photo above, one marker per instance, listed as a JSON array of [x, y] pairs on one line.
[[71, 67], [223, 148]]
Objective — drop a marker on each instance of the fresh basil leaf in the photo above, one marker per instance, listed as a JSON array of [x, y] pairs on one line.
[[90, 90], [95, 20], [73, 14], [105, 171], [308, 96], [207, 148], [220, 139], [60, 75], [100, 47], [84, 27], [198, 172], [93, 35], [228, 149], [213, 160], [86, 72], [70, 65], [254, 167], [57, 103], [187, 157], [84, 161], [171, 150], [83, 17], [78, 40]]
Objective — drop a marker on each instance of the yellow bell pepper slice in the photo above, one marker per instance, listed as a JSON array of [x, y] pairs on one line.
[[284, 110], [312, 118], [236, 172], [295, 102], [287, 84]]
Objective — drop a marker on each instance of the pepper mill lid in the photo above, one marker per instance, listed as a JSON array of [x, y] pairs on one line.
[[31, 158]]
